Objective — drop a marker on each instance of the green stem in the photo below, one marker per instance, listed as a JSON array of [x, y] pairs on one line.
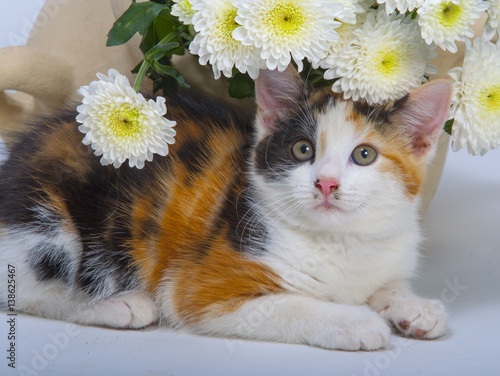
[[146, 62], [140, 76]]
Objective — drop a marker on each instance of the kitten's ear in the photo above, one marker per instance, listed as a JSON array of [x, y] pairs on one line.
[[423, 113], [278, 95]]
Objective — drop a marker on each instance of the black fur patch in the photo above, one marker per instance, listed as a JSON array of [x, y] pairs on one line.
[[103, 273], [191, 154], [104, 230], [380, 115], [375, 114], [323, 101], [248, 230], [273, 157], [49, 262]]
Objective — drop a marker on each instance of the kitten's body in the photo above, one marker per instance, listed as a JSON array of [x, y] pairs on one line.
[[231, 234]]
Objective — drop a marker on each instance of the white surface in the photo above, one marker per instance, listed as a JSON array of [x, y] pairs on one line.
[[461, 265]]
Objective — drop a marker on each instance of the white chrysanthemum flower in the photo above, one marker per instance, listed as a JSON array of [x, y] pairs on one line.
[[214, 43], [385, 59], [476, 98], [492, 25], [445, 22], [351, 9], [120, 124], [401, 5], [183, 9], [286, 29], [346, 36]]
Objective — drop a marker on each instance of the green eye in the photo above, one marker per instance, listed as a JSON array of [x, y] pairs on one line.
[[364, 155], [303, 151]]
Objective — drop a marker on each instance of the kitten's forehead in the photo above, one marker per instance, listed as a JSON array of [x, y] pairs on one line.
[[338, 127]]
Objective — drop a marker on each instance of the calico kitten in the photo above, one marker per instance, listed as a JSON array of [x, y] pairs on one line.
[[304, 231]]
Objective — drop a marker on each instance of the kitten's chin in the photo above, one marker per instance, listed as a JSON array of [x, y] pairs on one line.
[[327, 215], [328, 207]]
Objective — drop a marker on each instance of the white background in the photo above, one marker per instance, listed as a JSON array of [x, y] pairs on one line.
[[461, 264]]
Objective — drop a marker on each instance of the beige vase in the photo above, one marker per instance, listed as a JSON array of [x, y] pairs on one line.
[[67, 47]]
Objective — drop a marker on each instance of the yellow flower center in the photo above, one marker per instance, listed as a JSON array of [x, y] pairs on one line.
[[490, 99], [450, 13], [387, 62], [124, 121], [187, 7], [285, 19], [226, 24]]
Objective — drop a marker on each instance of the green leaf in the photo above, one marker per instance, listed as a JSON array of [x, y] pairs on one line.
[[136, 19], [148, 39], [169, 71], [448, 125], [165, 24], [241, 86], [160, 50], [165, 27]]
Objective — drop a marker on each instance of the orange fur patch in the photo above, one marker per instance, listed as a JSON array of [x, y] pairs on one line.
[[403, 167], [144, 240], [190, 211], [400, 161], [321, 149], [355, 119], [64, 146], [220, 283]]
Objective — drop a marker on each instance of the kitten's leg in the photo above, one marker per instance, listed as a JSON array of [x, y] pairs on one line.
[[292, 318], [129, 310], [411, 315], [43, 283]]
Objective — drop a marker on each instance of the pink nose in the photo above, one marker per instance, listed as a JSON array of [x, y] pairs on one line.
[[326, 186]]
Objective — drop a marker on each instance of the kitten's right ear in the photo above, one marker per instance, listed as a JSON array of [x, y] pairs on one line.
[[424, 112], [278, 95]]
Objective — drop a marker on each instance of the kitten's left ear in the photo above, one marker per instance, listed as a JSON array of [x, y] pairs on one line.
[[423, 113], [278, 95]]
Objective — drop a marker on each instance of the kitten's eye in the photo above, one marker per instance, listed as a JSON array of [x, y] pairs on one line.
[[364, 155], [303, 151]]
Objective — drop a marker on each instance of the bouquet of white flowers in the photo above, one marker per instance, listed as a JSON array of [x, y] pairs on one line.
[[368, 51]]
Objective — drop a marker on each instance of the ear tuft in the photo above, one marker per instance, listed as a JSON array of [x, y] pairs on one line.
[[424, 113], [278, 94]]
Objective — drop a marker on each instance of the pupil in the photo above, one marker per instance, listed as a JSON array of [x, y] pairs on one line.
[[304, 149], [364, 153]]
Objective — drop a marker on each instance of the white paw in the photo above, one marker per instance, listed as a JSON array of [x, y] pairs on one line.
[[362, 329], [128, 311], [418, 317]]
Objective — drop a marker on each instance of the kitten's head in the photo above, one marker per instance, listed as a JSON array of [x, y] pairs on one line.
[[320, 161]]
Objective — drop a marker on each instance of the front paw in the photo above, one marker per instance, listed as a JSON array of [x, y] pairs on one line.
[[418, 317], [360, 329]]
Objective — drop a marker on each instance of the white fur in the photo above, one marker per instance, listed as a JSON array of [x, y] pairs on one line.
[[302, 319]]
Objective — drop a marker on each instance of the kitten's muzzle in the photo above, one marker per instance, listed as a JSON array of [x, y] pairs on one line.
[[326, 186]]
